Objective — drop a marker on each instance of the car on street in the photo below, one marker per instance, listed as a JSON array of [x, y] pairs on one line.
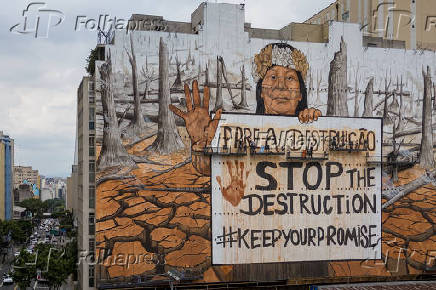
[[40, 285], [7, 280]]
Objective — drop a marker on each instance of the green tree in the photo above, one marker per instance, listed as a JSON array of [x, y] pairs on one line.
[[24, 269], [19, 230], [35, 206], [57, 264], [90, 61]]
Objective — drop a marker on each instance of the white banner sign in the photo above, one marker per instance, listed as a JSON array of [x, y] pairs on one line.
[[283, 191]]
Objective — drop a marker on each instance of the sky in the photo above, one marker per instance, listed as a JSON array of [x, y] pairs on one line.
[[39, 76]]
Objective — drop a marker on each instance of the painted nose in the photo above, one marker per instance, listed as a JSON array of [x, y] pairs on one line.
[[281, 82]]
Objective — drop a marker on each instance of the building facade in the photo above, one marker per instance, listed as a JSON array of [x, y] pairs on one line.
[[26, 173], [411, 21], [145, 186], [53, 187], [83, 176], [71, 193], [6, 176], [23, 192]]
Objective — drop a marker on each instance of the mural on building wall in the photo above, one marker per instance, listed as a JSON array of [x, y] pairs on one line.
[[160, 113]]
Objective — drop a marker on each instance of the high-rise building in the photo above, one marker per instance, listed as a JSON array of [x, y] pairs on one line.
[[26, 173], [84, 172], [6, 176], [71, 198], [154, 197], [411, 21]]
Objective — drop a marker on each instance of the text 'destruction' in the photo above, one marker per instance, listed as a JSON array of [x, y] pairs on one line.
[[275, 208]]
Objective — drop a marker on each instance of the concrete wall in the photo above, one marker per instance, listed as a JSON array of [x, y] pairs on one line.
[[405, 20], [223, 32], [83, 182]]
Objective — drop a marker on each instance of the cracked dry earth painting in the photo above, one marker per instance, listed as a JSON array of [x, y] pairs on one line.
[[159, 211], [160, 103]]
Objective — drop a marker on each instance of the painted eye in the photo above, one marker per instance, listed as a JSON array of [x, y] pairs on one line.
[[290, 78], [273, 77]]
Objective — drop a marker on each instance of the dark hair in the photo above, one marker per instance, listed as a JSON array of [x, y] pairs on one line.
[[260, 108]]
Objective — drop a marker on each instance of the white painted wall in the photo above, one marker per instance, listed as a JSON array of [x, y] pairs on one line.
[[223, 35]]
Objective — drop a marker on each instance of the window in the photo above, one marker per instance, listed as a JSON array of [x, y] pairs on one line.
[[91, 224], [91, 125], [91, 141], [91, 196], [91, 273], [91, 86], [91, 245], [92, 114], [91, 146], [91, 171]]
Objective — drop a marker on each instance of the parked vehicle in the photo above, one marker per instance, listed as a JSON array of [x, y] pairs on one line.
[[7, 280]]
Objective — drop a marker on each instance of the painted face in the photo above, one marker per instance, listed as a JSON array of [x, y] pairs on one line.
[[281, 91]]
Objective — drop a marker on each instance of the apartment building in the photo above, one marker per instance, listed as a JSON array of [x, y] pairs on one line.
[[71, 193], [83, 177], [26, 173], [411, 21], [6, 176]]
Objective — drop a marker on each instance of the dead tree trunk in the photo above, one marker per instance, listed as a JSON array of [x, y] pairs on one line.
[[136, 127], [178, 81], [318, 87], [401, 124], [368, 106], [337, 94], [229, 89], [356, 97], [168, 139], [434, 96], [386, 120], [219, 89], [394, 154], [206, 77], [310, 88], [426, 156], [113, 152], [243, 102]]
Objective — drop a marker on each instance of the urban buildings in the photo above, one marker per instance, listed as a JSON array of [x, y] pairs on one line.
[[71, 193], [6, 176], [26, 173], [152, 200], [52, 188], [22, 192], [411, 21]]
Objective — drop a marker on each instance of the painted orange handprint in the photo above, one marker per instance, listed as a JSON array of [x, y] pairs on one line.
[[234, 192]]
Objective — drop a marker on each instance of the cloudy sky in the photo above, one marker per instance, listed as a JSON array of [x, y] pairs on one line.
[[39, 76]]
